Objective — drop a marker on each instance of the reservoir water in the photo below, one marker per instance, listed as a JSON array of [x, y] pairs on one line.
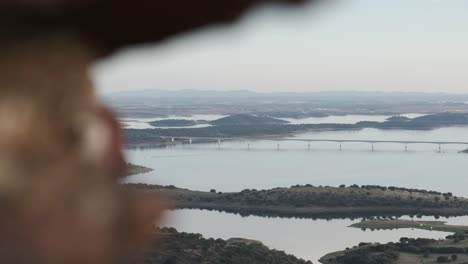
[[346, 119], [305, 238], [238, 165]]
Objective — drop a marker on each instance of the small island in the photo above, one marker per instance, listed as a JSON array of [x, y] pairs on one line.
[[232, 120], [390, 224], [177, 123]]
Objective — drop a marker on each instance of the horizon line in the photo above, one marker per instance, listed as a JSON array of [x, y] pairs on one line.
[[290, 92]]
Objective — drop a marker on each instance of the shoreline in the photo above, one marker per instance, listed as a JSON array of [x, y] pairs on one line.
[[402, 224], [316, 202]]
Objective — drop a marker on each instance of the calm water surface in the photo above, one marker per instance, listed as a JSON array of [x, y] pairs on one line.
[[304, 238], [238, 165], [347, 119]]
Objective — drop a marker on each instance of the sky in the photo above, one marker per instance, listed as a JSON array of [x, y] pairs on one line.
[[342, 45]]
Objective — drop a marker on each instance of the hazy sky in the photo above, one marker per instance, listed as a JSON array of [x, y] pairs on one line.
[[388, 45]]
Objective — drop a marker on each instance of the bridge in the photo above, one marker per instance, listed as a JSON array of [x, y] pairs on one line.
[[372, 142]]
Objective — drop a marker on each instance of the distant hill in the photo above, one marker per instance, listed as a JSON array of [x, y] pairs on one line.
[[177, 123], [432, 121], [161, 103], [398, 119], [256, 126], [443, 119], [324, 95], [243, 119]]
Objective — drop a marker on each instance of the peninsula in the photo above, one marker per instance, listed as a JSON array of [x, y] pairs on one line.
[[318, 201], [453, 249], [176, 247], [133, 169]]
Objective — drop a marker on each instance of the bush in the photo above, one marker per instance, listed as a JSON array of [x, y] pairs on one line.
[[426, 254], [443, 259]]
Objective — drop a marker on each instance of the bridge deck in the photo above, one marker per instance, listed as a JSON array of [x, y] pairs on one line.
[[370, 141]]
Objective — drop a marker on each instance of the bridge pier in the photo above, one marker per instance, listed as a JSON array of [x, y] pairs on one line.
[[248, 146], [438, 149]]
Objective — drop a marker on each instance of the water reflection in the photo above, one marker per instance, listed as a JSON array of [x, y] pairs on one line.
[[305, 238], [239, 165]]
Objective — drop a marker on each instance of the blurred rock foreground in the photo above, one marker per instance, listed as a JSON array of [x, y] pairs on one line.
[[60, 161], [60, 148], [112, 24]]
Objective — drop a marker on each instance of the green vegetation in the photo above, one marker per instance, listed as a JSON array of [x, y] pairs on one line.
[[319, 202], [454, 249], [143, 138], [398, 223], [175, 247]]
